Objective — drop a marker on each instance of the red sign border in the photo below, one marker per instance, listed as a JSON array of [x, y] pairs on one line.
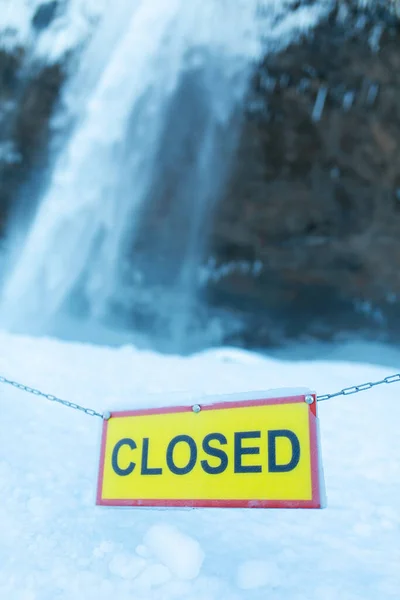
[[315, 501]]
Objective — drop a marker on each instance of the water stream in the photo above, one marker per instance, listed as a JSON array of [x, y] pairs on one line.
[[153, 114]]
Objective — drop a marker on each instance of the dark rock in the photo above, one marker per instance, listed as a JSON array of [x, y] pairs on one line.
[[314, 194], [44, 15], [27, 100]]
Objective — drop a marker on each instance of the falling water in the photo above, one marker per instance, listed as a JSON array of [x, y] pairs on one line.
[[152, 121]]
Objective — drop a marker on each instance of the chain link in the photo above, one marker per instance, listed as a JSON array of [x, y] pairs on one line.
[[354, 389], [26, 388]]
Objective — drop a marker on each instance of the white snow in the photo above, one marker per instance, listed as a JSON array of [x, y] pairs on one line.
[[253, 574], [71, 26], [55, 544], [75, 20], [180, 553]]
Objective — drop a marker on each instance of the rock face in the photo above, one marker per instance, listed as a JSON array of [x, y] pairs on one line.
[[28, 93], [312, 215], [306, 241]]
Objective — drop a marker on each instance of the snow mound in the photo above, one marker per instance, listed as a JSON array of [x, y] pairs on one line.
[[180, 553]]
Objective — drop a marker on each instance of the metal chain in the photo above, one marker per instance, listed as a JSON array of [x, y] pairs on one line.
[[360, 388], [26, 388], [92, 413]]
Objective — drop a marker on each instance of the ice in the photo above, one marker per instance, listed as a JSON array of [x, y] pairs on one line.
[[74, 21], [180, 553], [71, 26]]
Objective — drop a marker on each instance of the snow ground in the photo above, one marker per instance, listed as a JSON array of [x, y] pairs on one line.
[[56, 544]]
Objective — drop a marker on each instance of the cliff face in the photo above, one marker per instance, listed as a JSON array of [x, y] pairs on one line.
[[312, 215], [306, 240], [28, 93]]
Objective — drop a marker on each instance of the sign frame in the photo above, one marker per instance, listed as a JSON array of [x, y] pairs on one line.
[[317, 478]]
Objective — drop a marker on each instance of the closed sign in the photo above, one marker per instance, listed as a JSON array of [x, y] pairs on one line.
[[261, 453]]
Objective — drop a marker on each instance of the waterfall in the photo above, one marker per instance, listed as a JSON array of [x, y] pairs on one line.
[[153, 112]]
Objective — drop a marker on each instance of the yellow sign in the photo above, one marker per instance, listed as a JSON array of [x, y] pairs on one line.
[[253, 453]]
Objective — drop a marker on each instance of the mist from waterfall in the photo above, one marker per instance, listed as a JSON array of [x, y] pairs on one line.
[[151, 118]]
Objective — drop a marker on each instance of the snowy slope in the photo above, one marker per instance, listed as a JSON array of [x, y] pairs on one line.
[[56, 545]]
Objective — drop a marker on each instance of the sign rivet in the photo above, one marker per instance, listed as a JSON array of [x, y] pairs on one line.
[[106, 415], [309, 399], [196, 408]]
